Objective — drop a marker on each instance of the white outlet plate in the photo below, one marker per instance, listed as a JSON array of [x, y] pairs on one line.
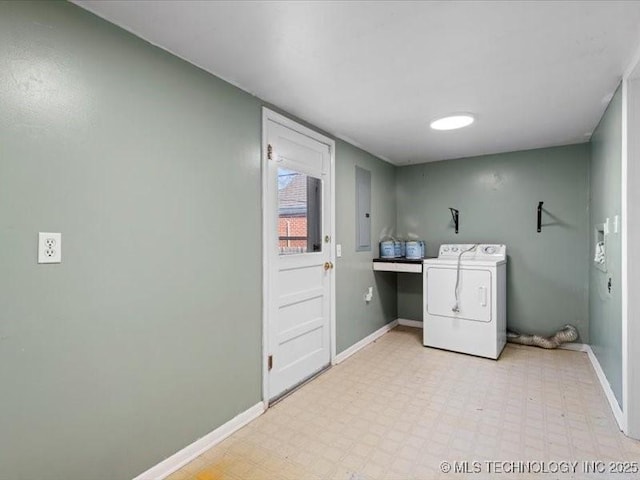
[[369, 295], [49, 247], [338, 250]]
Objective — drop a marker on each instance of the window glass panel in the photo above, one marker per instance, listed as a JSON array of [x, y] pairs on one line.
[[299, 213]]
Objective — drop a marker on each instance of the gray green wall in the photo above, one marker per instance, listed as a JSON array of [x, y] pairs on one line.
[[605, 309], [148, 335], [497, 196], [354, 269]]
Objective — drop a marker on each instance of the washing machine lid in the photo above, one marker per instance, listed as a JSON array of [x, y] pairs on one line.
[[479, 254], [480, 251], [453, 262]]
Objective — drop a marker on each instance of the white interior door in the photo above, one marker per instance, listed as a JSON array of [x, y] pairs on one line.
[[299, 257]]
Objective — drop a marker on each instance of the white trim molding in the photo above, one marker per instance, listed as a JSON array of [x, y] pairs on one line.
[[575, 347], [613, 403], [626, 149], [630, 213], [342, 356], [200, 446], [410, 323]]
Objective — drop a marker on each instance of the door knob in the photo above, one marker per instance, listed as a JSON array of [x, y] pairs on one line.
[[327, 266]]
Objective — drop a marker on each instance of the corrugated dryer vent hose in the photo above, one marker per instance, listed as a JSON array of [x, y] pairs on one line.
[[566, 334]]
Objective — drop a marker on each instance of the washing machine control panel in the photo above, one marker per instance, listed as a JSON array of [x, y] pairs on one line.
[[472, 251]]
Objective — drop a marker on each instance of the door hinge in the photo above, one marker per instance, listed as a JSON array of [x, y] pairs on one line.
[[270, 362], [269, 152]]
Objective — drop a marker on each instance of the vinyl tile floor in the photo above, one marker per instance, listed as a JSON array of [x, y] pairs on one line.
[[398, 410]]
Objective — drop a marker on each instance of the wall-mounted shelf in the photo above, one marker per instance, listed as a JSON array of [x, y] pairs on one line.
[[397, 265]]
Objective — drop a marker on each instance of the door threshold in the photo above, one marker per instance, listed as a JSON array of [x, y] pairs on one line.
[[298, 386]]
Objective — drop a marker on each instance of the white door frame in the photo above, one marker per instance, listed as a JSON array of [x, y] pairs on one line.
[[630, 255], [270, 115]]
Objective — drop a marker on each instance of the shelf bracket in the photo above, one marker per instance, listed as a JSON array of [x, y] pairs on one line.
[[455, 214], [540, 216]]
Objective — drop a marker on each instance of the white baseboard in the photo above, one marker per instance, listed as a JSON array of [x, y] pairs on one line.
[[410, 323], [575, 347], [197, 448], [342, 356], [613, 403]]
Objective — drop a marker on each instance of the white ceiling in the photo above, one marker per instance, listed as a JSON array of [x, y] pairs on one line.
[[536, 74]]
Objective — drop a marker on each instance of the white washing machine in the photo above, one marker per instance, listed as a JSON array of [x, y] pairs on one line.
[[474, 320]]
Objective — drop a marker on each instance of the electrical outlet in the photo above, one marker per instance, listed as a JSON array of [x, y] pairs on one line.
[[49, 247], [338, 250], [369, 295]]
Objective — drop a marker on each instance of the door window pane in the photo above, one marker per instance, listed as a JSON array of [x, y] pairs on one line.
[[299, 213]]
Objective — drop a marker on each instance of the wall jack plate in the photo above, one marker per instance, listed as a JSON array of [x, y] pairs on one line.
[[49, 247]]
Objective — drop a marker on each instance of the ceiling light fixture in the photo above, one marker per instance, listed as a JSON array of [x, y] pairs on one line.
[[453, 122]]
